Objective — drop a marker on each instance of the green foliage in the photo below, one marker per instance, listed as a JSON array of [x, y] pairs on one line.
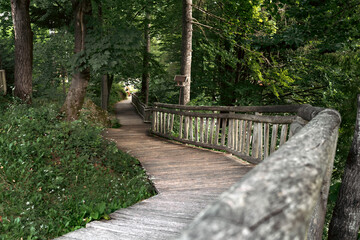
[[117, 93], [52, 68], [56, 176]]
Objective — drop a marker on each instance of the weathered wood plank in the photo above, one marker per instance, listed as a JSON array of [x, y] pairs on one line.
[[230, 133], [266, 139], [186, 128], [181, 126], [223, 131], [172, 123], [248, 138], [153, 124], [201, 129], [206, 131], [217, 134], [283, 136], [263, 109], [196, 129], [212, 129], [274, 134], [191, 133], [186, 178], [254, 118], [160, 121]]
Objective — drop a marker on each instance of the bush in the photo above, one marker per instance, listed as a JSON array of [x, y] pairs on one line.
[[56, 176]]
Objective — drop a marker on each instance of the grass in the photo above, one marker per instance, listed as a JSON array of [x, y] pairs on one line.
[[56, 176]]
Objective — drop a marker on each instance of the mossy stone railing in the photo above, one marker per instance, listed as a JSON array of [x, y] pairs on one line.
[[285, 195]]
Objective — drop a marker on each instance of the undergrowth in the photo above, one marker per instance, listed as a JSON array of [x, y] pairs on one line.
[[56, 176]]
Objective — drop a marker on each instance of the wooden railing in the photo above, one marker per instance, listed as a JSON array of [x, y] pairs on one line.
[[251, 133], [143, 110], [285, 195]]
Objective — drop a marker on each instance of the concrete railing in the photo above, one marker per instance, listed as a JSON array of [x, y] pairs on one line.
[[143, 110], [285, 195]]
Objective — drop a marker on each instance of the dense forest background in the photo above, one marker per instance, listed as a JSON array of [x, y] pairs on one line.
[[258, 52]]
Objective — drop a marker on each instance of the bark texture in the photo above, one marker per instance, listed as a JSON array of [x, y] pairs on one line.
[[23, 49], [106, 84], [76, 94], [186, 50], [345, 221]]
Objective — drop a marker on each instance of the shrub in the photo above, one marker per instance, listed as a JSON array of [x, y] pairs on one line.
[[56, 176]]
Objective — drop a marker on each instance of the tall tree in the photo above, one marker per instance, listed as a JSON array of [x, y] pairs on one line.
[[23, 49], [345, 222], [146, 57], [76, 94], [106, 79], [186, 49]]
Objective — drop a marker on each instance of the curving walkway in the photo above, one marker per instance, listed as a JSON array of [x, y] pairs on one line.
[[186, 178]]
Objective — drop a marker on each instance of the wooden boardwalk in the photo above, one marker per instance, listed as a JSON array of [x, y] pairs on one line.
[[186, 178]]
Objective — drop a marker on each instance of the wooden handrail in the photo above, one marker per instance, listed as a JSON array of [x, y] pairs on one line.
[[285, 196], [249, 136], [261, 109], [143, 110]]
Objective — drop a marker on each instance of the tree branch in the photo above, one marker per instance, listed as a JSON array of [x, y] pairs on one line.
[[209, 14]]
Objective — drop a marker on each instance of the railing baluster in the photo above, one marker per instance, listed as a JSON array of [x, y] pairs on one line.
[[154, 120], [168, 124], [207, 130], [274, 134], [266, 139], [201, 130], [260, 141], [230, 133], [160, 122], [283, 136], [164, 122], [186, 128], [243, 144], [236, 137], [255, 142], [218, 121], [172, 123], [212, 130], [191, 128], [181, 126], [196, 129], [240, 136], [223, 131], [248, 138]]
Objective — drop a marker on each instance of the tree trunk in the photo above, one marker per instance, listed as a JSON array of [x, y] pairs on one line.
[[23, 49], [186, 49], [146, 59], [76, 94], [63, 76], [345, 221], [106, 80], [106, 83]]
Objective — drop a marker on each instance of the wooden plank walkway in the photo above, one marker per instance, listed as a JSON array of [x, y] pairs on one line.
[[186, 178]]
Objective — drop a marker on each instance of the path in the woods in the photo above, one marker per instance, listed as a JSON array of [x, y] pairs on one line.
[[186, 178]]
